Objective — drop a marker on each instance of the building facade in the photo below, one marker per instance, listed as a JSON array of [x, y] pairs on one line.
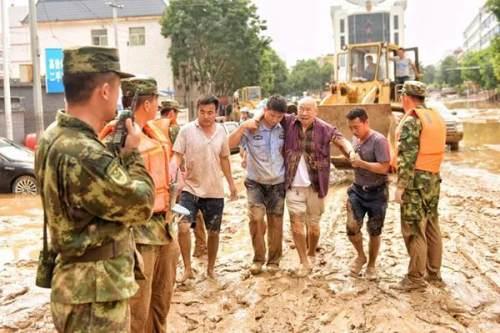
[[479, 33], [360, 21]]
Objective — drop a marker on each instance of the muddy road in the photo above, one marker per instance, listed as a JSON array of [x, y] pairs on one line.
[[329, 300]]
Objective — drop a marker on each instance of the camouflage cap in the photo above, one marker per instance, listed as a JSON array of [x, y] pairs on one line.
[[414, 88], [144, 85], [170, 104], [92, 59]]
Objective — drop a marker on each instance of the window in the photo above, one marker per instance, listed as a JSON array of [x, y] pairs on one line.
[[342, 26], [396, 22], [342, 41], [137, 36], [364, 64], [99, 37], [396, 38], [369, 28]]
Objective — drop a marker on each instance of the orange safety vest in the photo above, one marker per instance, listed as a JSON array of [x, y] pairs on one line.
[[164, 125], [155, 150], [432, 140]]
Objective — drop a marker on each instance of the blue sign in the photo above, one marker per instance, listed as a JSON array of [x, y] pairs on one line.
[[54, 71]]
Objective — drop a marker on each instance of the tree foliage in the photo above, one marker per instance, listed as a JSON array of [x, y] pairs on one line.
[[216, 45], [485, 75], [309, 75], [273, 73], [430, 74], [449, 73]]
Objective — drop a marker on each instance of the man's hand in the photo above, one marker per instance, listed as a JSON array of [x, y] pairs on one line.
[[356, 160], [398, 195], [250, 124], [352, 155], [234, 192], [133, 136]]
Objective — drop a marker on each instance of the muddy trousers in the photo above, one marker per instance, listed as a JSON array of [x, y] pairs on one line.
[[425, 248], [150, 306], [103, 317], [257, 214]]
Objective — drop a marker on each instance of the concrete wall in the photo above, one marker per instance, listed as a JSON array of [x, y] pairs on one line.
[[17, 119], [150, 59]]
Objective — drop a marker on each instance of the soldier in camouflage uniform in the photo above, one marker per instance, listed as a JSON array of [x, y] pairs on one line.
[[421, 143], [91, 198]]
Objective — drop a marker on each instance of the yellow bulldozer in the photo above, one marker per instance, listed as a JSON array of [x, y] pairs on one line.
[[365, 77], [249, 97]]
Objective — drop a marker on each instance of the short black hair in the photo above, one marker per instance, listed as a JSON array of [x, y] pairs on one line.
[[292, 109], [166, 111], [357, 113], [127, 100], [79, 87], [401, 49], [207, 100], [277, 103]]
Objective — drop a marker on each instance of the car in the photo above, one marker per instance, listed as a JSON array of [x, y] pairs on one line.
[[230, 127], [454, 127], [17, 164]]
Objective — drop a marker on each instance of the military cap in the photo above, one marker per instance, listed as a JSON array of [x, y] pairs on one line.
[[144, 85], [170, 104], [92, 59], [414, 88]]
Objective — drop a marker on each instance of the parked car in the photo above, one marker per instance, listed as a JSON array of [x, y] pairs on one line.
[[17, 165], [454, 127], [230, 127]]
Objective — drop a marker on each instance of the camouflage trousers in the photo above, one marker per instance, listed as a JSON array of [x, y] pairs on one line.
[[103, 317], [420, 226]]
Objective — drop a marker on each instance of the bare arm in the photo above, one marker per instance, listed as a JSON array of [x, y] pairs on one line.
[[375, 167], [234, 138], [225, 164], [344, 145]]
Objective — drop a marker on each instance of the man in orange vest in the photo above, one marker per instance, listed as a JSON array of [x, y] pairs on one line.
[[421, 137], [155, 239]]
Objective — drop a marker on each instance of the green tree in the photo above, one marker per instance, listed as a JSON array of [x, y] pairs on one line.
[[216, 45], [484, 74], [494, 7], [308, 75], [449, 72], [430, 74], [273, 73]]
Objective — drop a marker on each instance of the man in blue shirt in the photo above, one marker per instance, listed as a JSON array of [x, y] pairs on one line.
[[263, 142]]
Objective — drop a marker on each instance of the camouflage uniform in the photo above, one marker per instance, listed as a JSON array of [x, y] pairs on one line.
[[159, 248], [419, 210], [174, 127], [91, 199]]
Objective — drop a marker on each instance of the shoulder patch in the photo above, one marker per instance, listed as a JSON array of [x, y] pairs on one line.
[[117, 174]]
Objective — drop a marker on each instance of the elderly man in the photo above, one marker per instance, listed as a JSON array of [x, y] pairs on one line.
[[421, 138], [307, 163]]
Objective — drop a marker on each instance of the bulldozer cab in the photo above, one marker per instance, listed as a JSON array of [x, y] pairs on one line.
[[365, 77]]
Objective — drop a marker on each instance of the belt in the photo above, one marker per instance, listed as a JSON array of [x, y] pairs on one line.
[[375, 188], [107, 251]]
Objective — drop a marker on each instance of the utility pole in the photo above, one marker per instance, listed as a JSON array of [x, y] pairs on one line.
[[6, 70], [35, 59], [114, 6]]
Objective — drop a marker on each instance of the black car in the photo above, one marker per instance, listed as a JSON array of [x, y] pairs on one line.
[[17, 164]]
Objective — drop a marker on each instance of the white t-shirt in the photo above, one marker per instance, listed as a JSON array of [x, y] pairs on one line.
[[302, 175], [403, 67]]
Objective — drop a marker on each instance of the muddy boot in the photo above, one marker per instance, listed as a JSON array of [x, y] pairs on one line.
[[407, 285], [256, 268]]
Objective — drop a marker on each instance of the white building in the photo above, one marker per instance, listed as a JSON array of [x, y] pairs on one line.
[[19, 55], [479, 33], [362, 21], [142, 48]]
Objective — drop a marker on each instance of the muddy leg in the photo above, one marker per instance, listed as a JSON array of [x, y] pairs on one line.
[[185, 245]]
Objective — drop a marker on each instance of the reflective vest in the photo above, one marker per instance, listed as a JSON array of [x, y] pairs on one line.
[[432, 140], [164, 125], [155, 150]]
